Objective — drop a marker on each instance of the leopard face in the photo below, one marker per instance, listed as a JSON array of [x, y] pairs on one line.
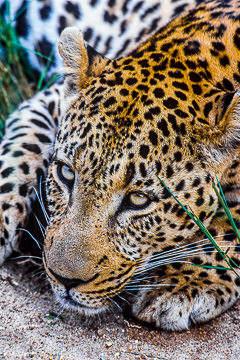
[[161, 114]]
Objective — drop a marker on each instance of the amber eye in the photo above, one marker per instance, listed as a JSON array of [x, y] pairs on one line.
[[65, 174], [136, 200]]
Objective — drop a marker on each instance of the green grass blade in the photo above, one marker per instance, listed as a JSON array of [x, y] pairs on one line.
[[223, 202], [197, 221]]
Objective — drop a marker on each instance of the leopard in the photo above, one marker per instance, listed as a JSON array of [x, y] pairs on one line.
[[30, 131], [136, 137]]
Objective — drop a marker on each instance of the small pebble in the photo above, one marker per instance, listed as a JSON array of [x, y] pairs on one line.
[[108, 344]]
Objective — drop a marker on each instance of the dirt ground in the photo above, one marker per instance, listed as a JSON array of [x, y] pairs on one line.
[[33, 326]]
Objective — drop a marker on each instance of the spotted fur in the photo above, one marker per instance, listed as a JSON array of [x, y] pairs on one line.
[[112, 27], [168, 111], [38, 25]]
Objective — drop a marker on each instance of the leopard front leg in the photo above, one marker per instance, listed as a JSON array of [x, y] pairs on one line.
[[25, 150], [182, 294]]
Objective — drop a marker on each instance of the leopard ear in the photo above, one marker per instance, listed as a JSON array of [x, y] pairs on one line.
[[81, 61], [222, 135]]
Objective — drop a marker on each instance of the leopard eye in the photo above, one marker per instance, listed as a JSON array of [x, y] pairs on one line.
[[137, 200], [65, 174]]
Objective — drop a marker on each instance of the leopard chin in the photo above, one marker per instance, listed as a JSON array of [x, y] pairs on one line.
[[69, 302]]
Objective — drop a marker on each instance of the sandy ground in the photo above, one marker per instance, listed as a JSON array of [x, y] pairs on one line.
[[29, 329]]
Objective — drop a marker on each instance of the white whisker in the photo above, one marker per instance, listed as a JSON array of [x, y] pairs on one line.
[[42, 205], [115, 303], [147, 286], [28, 232], [174, 258], [131, 294], [120, 297], [26, 256], [41, 227], [189, 245]]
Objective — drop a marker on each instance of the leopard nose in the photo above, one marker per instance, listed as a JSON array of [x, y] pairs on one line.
[[68, 283]]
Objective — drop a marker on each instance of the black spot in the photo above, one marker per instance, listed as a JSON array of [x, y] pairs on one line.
[[181, 95], [144, 63], [177, 65], [207, 108], [194, 77], [220, 31], [224, 60], [166, 207], [195, 105], [142, 170], [192, 48], [177, 265], [23, 190], [170, 103], [40, 174], [203, 274], [131, 81], [31, 147], [6, 188], [144, 150], [181, 114], [178, 156], [197, 261], [21, 20], [158, 166], [88, 34], [124, 92], [197, 89], [45, 12], [153, 137], [170, 171], [163, 126], [5, 206], [73, 9], [227, 85], [236, 38], [178, 239], [200, 201], [165, 47], [158, 93], [226, 277], [218, 45], [155, 110], [189, 166], [44, 47], [25, 168], [62, 24], [110, 102], [180, 85], [194, 293], [6, 172], [196, 182], [165, 149], [175, 74], [43, 138], [40, 124], [180, 185]]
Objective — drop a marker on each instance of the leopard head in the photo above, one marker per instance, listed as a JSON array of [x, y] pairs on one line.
[[125, 129]]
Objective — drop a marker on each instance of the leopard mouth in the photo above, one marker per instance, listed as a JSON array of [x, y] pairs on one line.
[[68, 302]]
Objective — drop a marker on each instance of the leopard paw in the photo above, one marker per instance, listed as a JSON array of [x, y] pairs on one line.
[[186, 306]]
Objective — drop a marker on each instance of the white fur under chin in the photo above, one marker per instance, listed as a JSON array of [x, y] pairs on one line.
[[81, 309]]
